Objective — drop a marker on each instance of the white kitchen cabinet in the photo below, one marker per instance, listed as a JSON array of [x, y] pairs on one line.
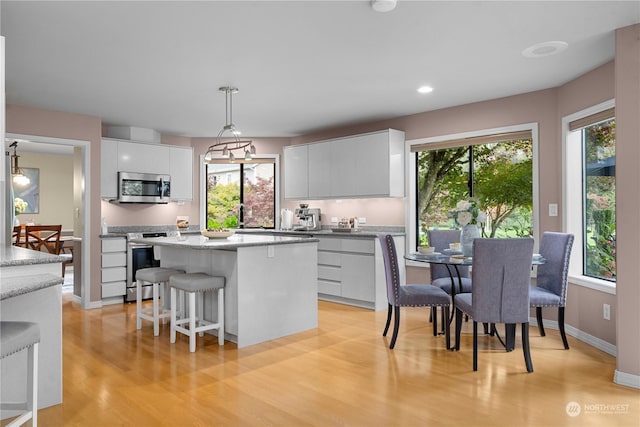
[[129, 156], [319, 171], [108, 169], [144, 158], [366, 165], [351, 271], [181, 173], [114, 268], [296, 172]]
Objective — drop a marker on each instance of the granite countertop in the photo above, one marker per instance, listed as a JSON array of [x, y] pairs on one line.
[[14, 286], [367, 233], [11, 256], [233, 242]]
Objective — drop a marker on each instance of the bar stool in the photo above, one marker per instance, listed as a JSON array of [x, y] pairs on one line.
[[15, 337], [192, 284], [157, 277]]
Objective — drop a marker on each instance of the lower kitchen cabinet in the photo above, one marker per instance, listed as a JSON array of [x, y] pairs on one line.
[[351, 271], [114, 269]]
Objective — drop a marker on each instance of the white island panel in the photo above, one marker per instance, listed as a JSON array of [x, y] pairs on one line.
[[271, 289]]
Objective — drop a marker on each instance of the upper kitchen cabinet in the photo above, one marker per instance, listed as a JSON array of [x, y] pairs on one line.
[[181, 173], [296, 172], [366, 165], [127, 156]]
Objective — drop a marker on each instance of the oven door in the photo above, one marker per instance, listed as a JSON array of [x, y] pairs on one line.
[[139, 256]]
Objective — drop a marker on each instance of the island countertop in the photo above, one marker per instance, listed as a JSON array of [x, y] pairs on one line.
[[230, 243], [11, 256], [14, 286]]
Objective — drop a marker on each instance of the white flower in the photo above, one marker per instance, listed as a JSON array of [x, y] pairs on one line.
[[482, 217], [19, 205], [464, 218], [463, 206]]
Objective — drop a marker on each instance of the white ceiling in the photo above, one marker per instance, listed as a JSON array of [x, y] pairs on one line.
[[301, 66]]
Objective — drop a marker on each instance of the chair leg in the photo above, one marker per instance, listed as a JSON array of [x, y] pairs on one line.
[[220, 316], [475, 345], [386, 327], [396, 326], [539, 319], [561, 326], [172, 322], [435, 320], [525, 347], [138, 304], [156, 309], [458, 328], [510, 336], [447, 328], [192, 321]]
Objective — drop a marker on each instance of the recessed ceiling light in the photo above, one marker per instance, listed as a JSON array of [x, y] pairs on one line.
[[383, 5], [544, 49], [425, 89]]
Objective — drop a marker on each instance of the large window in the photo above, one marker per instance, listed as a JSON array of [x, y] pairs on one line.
[[497, 170], [591, 192], [241, 195]]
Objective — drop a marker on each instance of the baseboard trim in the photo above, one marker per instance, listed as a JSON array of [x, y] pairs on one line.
[[628, 380], [580, 335]]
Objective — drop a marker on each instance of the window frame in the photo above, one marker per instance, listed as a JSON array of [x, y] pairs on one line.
[[203, 186], [572, 199], [410, 180]]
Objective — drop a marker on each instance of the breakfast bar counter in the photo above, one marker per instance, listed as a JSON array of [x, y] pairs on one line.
[[271, 286], [31, 290]]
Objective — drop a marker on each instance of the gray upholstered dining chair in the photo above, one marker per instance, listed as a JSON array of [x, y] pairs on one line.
[[408, 295], [440, 276], [550, 289], [501, 277]]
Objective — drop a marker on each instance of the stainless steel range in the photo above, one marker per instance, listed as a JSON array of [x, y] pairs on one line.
[[139, 256]]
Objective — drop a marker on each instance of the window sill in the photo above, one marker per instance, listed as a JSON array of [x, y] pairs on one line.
[[593, 283]]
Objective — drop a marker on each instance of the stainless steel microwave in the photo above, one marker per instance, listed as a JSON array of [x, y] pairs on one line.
[[143, 188]]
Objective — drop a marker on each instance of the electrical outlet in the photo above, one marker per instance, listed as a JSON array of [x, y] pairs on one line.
[[334, 219], [362, 220], [553, 209], [606, 311]]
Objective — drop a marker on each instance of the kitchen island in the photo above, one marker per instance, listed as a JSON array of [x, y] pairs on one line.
[[271, 281], [31, 290]]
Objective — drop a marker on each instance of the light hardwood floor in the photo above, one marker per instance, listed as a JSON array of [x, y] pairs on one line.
[[341, 374]]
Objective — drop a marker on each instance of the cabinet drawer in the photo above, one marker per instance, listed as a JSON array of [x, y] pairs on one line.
[[329, 288], [358, 245], [114, 274], [115, 259], [330, 244], [329, 273], [114, 245], [329, 258], [114, 289]]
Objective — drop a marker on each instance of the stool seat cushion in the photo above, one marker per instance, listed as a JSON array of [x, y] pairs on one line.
[[196, 282], [16, 336], [156, 274]]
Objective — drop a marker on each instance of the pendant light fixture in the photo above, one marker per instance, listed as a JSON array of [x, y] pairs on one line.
[[227, 148], [16, 171]]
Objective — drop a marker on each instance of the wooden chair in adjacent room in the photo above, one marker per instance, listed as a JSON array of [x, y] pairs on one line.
[[43, 238], [16, 236]]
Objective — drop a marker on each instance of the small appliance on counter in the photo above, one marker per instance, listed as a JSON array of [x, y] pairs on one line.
[[286, 219], [308, 218]]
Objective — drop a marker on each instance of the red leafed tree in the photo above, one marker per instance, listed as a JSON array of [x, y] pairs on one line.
[[259, 203]]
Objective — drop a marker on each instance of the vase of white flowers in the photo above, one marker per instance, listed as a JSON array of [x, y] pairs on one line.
[[468, 215], [19, 206]]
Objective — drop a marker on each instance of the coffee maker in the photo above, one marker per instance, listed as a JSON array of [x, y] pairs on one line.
[[308, 219]]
